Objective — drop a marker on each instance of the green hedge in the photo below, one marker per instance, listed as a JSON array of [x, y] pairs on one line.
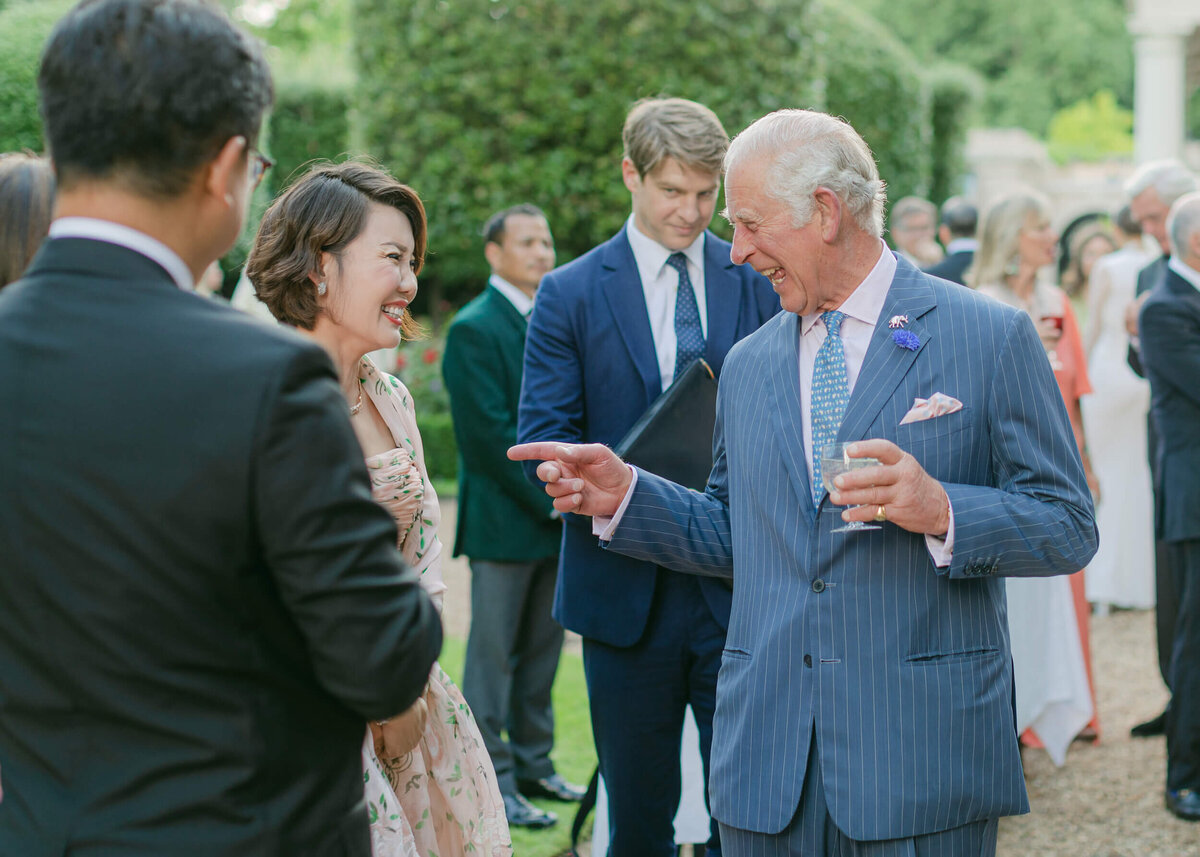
[[523, 100], [437, 437], [24, 26], [309, 121], [873, 81], [954, 93]]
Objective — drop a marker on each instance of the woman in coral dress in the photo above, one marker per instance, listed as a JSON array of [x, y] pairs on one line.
[[337, 257], [1048, 617]]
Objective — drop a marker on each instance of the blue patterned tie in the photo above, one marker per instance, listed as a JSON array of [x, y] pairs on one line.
[[830, 393], [689, 336]]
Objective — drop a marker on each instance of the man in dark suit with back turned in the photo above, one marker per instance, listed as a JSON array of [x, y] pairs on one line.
[[609, 332], [200, 604], [506, 525], [1170, 324], [956, 231], [1152, 189]]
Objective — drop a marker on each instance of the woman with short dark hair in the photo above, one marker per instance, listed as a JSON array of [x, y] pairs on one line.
[[337, 256]]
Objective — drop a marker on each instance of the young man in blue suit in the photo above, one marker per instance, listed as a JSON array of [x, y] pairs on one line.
[[609, 332], [865, 696]]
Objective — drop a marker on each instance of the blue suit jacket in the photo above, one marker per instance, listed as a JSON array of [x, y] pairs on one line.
[[590, 372], [900, 669]]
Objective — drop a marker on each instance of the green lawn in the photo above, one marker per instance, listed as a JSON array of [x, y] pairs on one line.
[[574, 755]]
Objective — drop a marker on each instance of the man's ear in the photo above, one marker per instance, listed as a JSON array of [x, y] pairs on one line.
[[226, 169], [491, 252], [829, 210], [630, 175]]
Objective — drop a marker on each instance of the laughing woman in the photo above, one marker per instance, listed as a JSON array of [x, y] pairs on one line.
[[337, 256]]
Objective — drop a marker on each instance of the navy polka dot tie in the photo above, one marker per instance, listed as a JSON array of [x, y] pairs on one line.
[[689, 336], [830, 393]]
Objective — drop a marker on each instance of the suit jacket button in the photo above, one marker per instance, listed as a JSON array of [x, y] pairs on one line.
[[818, 585], [808, 660]]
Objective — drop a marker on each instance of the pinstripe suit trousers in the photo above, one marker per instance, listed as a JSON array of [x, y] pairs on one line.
[[812, 833]]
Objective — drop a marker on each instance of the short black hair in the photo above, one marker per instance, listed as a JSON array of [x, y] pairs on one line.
[[493, 230], [145, 92], [960, 217]]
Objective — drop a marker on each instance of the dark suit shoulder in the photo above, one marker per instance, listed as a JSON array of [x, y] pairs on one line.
[[480, 312]]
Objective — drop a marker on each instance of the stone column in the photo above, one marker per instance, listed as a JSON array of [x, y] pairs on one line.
[[1159, 100]]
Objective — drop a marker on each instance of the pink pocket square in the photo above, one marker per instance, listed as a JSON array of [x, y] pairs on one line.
[[937, 405]]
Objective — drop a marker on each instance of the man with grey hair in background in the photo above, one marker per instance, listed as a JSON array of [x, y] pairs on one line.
[[1151, 190], [1170, 347], [865, 702], [913, 225]]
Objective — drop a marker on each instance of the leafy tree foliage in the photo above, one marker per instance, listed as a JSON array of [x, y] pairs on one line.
[[1036, 56], [1091, 129]]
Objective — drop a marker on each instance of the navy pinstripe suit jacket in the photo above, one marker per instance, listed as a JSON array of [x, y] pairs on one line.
[[901, 670]]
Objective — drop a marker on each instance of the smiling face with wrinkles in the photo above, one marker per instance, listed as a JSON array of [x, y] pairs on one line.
[[766, 238]]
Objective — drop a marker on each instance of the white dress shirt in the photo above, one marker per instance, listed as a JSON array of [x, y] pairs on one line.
[[522, 302], [139, 242], [660, 285]]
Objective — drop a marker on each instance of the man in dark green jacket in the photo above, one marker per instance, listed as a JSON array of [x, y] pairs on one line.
[[505, 525]]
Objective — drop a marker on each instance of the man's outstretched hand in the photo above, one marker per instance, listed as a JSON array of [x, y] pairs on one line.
[[584, 478]]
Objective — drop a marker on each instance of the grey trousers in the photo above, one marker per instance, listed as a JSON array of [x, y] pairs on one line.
[[512, 656], [812, 833]]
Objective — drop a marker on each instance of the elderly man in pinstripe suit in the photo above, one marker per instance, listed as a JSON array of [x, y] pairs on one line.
[[864, 704]]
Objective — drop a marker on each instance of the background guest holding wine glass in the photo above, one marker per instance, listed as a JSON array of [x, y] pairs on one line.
[[1048, 616], [337, 256], [26, 203]]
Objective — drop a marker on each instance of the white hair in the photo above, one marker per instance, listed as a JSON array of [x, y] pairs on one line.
[[1169, 178], [811, 150], [1183, 222]]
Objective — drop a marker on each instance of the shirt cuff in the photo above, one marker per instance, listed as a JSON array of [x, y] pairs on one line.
[[604, 526], [941, 550]]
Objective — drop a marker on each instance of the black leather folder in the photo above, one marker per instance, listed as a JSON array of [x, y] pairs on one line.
[[674, 437]]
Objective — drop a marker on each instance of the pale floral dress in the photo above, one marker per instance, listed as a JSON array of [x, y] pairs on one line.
[[441, 800]]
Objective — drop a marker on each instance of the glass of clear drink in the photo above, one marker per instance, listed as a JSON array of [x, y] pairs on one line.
[[834, 462]]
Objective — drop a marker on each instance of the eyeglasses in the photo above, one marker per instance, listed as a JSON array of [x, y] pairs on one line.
[[259, 164]]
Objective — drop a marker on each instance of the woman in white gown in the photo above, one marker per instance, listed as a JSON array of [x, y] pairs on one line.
[[1114, 417]]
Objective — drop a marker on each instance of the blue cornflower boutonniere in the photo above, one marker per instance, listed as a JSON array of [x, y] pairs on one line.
[[906, 339]]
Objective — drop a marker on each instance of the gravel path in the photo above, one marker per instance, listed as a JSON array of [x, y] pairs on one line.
[[1107, 801]]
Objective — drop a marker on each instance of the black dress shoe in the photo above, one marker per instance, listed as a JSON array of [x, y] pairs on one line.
[[1152, 727], [521, 813], [553, 787], [1184, 803]]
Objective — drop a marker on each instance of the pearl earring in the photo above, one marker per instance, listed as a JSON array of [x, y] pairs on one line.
[[322, 288]]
